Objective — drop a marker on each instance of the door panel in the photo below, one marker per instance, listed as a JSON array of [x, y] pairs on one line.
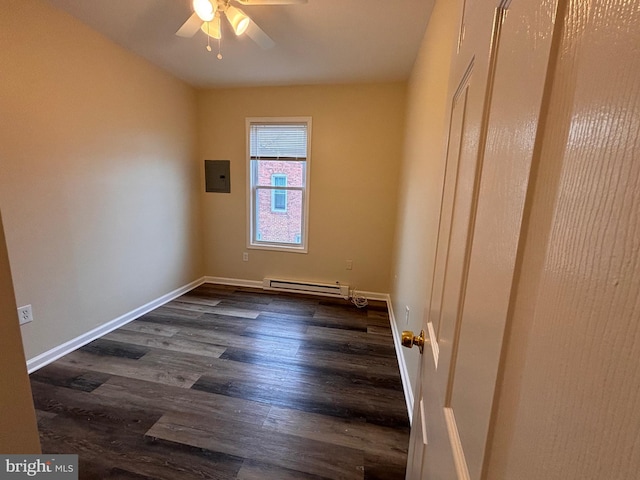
[[524, 43], [491, 142], [456, 131], [436, 461]]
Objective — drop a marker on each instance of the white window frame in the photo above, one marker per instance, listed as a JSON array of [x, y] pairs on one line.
[[252, 241]]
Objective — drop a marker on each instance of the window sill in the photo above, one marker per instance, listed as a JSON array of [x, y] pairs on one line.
[[277, 248]]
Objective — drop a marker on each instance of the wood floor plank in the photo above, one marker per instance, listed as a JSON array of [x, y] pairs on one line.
[[210, 289], [375, 330], [367, 315], [341, 336], [311, 395], [390, 442], [103, 453], [224, 309], [129, 368], [152, 328], [206, 321], [221, 370], [327, 309], [236, 339], [247, 295], [70, 377], [366, 320], [380, 312], [103, 346], [166, 311], [197, 300], [166, 343], [111, 414], [355, 347], [191, 307], [344, 323], [383, 467], [373, 375], [43, 416], [281, 450], [175, 399], [326, 352], [276, 331], [254, 470], [272, 307], [286, 374]]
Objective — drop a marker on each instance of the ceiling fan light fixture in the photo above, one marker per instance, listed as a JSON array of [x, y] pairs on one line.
[[212, 28], [205, 9], [238, 19]]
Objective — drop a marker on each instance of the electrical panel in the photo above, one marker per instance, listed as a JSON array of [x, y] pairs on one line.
[[217, 174]]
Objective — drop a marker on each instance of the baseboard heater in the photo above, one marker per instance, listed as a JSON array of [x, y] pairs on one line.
[[325, 289]]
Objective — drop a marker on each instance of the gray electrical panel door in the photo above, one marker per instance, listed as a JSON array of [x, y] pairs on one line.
[[217, 176]]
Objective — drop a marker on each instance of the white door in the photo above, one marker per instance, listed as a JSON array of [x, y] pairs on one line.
[[501, 70]]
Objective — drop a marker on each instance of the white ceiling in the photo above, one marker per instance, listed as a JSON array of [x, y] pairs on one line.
[[324, 41]]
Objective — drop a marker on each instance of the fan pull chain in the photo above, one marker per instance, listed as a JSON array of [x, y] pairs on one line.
[[208, 39], [219, 56]]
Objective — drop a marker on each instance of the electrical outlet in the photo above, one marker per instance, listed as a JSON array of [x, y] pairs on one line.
[[349, 264], [245, 257], [25, 314], [406, 316]]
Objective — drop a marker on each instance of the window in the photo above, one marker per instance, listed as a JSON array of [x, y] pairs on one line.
[[278, 197], [278, 156]]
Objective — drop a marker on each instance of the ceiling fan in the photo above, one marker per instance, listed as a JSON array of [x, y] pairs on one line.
[[207, 16]]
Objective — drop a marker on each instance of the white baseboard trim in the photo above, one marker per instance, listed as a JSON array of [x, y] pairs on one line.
[[237, 282], [374, 295], [55, 353], [404, 373]]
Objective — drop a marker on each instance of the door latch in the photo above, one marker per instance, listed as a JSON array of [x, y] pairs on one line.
[[409, 339]]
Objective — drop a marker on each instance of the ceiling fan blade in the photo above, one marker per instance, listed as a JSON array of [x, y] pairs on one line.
[[272, 2], [255, 33], [190, 27]]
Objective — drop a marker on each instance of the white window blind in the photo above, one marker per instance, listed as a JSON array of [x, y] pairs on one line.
[[282, 141]]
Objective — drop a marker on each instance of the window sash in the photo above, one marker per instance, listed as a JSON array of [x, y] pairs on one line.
[[266, 243]]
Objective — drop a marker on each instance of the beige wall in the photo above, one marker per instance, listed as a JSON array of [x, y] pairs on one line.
[[422, 174], [98, 179], [18, 429], [355, 154]]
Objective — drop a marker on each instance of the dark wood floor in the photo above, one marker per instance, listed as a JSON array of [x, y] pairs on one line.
[[227, 383]]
